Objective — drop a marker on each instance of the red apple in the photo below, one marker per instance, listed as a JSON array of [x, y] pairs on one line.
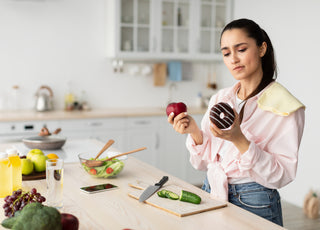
[[176, 108], [69, 222]]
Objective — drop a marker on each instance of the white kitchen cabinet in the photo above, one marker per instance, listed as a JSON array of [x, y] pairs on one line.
[[144, 132], [174, 29], [75, 128], [166, 148], [102, 129], [129, 29], [16, 131], [109, 128], [194, 176], [175, 158], [165, 29], [213, 15]]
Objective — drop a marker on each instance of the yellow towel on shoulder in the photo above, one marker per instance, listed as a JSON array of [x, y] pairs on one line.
[[277, 99]]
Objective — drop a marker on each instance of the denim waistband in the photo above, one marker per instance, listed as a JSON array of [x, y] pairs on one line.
[[245, 187]]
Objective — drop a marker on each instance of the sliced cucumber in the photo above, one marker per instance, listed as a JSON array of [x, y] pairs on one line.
[[172, 195], [162, 193], [168, 194], [190, 197]]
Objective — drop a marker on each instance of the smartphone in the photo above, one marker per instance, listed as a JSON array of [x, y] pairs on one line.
[[98, 188]]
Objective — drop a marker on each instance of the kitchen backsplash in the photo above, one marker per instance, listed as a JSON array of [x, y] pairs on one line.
[[105, 88], [55, 42]]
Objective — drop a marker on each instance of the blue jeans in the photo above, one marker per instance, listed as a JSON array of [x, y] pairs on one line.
[[254, 198]]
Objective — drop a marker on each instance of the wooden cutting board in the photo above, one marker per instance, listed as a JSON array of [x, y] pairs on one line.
[[159, 74], [34, 176], [176, 207]]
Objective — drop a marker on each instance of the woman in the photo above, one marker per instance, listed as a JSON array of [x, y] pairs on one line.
[[258, 154]]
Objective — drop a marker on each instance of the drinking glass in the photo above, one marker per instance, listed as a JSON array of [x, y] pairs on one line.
[[54, 177]]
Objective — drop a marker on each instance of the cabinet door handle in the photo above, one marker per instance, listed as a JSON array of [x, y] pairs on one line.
[[157, 141], [28, 127], [142, 122], [95, 124]]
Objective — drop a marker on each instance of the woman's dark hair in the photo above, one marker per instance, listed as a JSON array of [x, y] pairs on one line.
[[269, 66], [253, 30]]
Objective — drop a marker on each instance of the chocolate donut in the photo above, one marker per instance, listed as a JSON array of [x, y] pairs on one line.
[[222, 115]]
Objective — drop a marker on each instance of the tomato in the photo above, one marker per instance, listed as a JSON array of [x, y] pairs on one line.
[[93, 171], [109, 170], [108, 186]]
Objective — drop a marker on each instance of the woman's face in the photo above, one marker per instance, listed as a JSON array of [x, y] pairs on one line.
[[241, 54]]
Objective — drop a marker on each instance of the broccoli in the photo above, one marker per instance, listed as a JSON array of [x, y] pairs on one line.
[[34, 216]]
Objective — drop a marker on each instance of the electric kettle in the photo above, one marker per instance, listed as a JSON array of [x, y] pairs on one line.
[[44, 99]]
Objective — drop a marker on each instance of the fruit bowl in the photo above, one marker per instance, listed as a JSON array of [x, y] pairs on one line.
[[109, 169]]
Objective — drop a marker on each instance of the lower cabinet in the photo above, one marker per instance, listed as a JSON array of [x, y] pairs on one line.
[[175, 156], [166, 148], [144, 132]]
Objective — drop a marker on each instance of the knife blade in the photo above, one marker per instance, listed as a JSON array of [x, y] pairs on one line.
[[152, 189]]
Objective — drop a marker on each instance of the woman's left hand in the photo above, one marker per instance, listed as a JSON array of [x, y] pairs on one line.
[[233, 134]]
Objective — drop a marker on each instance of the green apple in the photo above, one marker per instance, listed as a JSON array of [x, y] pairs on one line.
[[26, 166], [39, 162], [34, 152]]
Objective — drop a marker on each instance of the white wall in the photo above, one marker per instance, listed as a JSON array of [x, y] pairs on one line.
[[55, 41], [293, 26]]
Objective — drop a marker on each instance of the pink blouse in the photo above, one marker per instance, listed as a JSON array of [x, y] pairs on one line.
[[272, 157]]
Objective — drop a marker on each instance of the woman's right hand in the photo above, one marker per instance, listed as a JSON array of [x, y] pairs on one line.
[[180, 123], [183, 123]]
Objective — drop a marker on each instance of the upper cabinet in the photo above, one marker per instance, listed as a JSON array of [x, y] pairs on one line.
[[213, 16], [165, 29], [174, 36]]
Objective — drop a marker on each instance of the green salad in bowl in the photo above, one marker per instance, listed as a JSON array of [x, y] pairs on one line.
[[108, 169]]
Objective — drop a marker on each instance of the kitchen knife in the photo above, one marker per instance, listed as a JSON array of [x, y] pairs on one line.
[[152, 189]]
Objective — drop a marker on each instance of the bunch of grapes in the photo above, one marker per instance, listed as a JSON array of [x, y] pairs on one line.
[[19, 199]]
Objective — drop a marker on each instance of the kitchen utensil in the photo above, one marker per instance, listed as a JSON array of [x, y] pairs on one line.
[[177, 207], [152, 189], [95, 163], [212, 72], [105, 147], [44, 99], [51, 142], [58, 130]]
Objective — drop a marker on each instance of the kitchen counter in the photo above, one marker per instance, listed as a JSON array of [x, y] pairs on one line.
[[116, 210], [31, 115]]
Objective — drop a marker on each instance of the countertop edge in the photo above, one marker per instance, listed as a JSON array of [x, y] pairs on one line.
[[31, 115]]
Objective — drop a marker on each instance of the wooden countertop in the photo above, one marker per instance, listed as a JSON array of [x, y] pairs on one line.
[[31, 115], [116, 210]]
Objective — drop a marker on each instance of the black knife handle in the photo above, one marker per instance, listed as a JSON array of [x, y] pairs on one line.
[[162, 181]]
